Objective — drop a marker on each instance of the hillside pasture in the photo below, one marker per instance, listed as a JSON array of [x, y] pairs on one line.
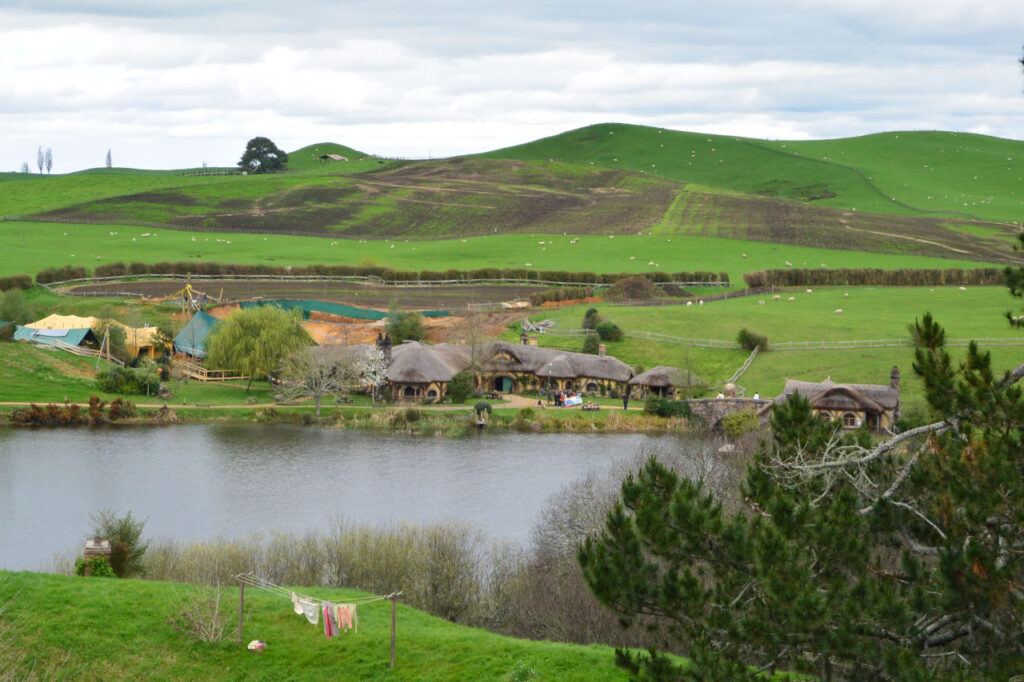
[[971, 177], [28, 247]]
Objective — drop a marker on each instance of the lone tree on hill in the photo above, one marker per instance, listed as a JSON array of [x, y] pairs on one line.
[[898, 560], [40, 159], [109, 161], [48, 157], [262, 156], [255, 340]]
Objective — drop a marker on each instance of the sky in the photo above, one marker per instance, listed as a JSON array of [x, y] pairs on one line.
[[178, 84]]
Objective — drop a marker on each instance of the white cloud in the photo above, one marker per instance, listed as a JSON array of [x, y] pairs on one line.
[[178, 83]]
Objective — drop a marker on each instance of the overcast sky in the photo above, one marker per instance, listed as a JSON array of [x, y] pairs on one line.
[[172, 84]]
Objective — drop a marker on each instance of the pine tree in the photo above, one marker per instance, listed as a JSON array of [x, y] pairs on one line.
[[896, 560]]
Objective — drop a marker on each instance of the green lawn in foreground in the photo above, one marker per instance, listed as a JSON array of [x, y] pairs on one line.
[[28, 247], [105, 628]]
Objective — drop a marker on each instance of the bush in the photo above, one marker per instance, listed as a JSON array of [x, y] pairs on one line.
[[94, 567], [461, 386], [749, 340], [13, 307], [405, 327], [591, 318], [7, 330], [591, 344], [609, 331], [666, 408], [739, 423], [126, 545], [129, 380], [15, 282], [202, 618]]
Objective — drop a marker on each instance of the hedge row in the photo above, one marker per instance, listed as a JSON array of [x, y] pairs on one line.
[[61, 274], [873, 276], [387, 274], [15, 282]]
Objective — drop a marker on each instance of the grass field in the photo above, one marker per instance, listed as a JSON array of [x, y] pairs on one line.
[[105, 628], [29, 247], [868, 313]]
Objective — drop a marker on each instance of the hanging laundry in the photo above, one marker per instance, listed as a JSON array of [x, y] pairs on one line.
[[328, 625], [347, 619], [295, 604], [311, 611], [332, 612]]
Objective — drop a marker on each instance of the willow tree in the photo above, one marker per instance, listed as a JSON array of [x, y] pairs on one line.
[[899, 559], [255, 340]]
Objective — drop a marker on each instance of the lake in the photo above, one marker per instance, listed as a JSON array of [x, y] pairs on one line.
[[197, 482]]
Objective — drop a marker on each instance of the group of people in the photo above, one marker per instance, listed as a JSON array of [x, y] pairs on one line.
[[564, 398]]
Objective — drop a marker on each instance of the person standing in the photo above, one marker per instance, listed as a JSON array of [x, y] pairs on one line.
[[625, 398]]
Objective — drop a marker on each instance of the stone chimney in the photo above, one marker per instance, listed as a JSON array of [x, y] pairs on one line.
[[600, 349], [384, 344], [524, 338], [94, 548]]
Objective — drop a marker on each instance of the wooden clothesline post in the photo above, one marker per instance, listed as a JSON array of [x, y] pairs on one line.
[[393, 600], [241, 608]]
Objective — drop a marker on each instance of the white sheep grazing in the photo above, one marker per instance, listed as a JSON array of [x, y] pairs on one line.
[[791, 298], [744, 255], [810, 291], [689, 303], [788, 264], [761, 302], [776, 297], [846, 295], [700, 302], [838, 311], [963, 288]]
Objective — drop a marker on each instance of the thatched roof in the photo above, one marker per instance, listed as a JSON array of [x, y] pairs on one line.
[[661, 376], [828, 395], [557, 364], [416, 363]]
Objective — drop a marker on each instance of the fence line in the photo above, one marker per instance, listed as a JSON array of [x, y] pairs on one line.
[[788, 345], [373, 280]]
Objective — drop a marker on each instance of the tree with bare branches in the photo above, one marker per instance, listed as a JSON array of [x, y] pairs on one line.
[[318, 371]]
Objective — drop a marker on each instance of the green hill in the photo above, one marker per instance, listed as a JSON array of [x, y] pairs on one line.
[[905, 194], [919, 173], [105, 628]]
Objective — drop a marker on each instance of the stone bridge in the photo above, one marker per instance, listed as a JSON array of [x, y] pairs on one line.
[[711, 410]]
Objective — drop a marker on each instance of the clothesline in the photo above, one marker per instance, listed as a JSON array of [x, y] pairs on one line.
[[253, 580]]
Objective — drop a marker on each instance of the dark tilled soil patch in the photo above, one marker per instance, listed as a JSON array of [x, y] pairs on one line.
[[454, 298]]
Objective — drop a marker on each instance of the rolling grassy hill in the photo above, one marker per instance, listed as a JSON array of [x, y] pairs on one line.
[[899, 193]]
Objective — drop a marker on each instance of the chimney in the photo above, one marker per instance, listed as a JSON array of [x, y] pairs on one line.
[[600, 350], [533, 340], [523, 338], [894, 378]]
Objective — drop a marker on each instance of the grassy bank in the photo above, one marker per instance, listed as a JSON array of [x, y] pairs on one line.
[[103, 628]]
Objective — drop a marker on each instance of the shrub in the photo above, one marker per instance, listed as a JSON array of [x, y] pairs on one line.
[[591, 318], [7, 330], [201, 617], [666, 408], [126, 545], [749, 340], [591, 344], [94, 567], [15, 282], [13, 307], [461, 386], [739, 423], [609, 331], [405, 327], [129, 380]]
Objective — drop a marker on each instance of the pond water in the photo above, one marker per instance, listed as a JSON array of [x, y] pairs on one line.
[[197, 482]]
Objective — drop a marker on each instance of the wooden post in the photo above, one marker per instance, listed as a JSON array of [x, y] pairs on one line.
[[241, 608], [393, 599]]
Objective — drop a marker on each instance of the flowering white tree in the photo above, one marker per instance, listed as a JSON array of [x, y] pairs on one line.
[[372, 367]]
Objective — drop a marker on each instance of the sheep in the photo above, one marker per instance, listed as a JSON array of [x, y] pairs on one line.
[[632, 258], [744, 255], [810, 291], [689, 303], [963, 288], [700, 302], [761, 302], [788, 264], [846, 295], [837, 311], [529, 265], [791, 298], [776, 297]]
